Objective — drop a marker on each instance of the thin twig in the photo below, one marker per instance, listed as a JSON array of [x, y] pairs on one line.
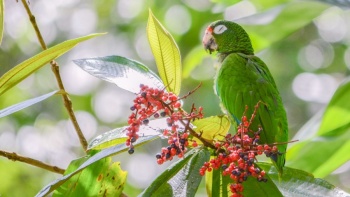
[[198, 136], [191, 92], [33, 162], [56, 71]]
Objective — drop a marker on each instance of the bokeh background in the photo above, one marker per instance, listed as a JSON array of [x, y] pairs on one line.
[[308, 65]]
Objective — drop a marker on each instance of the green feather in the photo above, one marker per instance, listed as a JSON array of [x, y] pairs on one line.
[[245, 80]]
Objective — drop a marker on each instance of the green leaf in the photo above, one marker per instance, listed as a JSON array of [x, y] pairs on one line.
[[213, 127], [296, 182], [1, 20], [24, 69], [118, 135], [339, 106], [180, 179], [328, 148], [166, 54], [125, 73], [99, 179], [275, 24], [253, 187], [218, 186], [19, 106], [90, 161]]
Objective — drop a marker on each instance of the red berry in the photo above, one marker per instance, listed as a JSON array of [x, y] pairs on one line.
[[160, 161]]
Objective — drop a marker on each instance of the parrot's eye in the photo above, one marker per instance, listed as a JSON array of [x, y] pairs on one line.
[[220, 29]]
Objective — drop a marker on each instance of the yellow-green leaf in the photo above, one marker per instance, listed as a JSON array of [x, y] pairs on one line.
[[102, 178], [24, 69], [213, 127], [1, 19], [166, 54]]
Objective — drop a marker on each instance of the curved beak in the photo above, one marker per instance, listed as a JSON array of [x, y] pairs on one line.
[[209, 41]]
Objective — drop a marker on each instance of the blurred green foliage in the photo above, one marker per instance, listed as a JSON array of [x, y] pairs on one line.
[[307, 64]]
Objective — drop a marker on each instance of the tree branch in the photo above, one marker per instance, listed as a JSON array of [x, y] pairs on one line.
[[55, 69], [15, 157]]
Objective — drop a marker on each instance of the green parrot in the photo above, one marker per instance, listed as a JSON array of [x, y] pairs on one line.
[[243, 80]]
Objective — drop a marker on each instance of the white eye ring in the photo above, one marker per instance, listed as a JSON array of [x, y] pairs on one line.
[[220, 29]]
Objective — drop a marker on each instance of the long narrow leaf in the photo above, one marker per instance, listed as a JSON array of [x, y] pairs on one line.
[[217, 186], [327, 149], [296, 182], [24, 69], [125, 73], [166, 54], [19, 106], [181, 178]]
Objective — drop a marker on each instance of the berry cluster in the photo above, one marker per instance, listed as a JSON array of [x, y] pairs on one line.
[[155, 103], [178, 138], [236, 156]]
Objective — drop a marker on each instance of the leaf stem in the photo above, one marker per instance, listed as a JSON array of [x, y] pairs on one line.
[[56, 71], [198, 136], [15, 157]]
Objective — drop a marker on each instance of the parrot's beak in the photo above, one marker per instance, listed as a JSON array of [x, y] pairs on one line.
[[209, 41]]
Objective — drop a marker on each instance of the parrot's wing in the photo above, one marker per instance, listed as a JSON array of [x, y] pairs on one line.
[[245, 81], [272, 118]]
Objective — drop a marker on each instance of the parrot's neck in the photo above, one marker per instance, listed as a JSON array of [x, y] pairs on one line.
[[240, 43], [222, 56]]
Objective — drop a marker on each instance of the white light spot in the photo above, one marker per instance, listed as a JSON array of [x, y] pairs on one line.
[[77, 81], [312, 87], [112, 104], [316, 55], [342, 169], [83, 21], [239, 10], [200, 5], [142, 46], [331, 25], [204, 71], [87, 123], [15, 21], [29, 141], [129, 9], [178, 19], [141, 175], [7, 140], [220, 29]]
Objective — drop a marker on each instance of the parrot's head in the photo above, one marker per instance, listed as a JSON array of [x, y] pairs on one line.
[[227, 37]]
